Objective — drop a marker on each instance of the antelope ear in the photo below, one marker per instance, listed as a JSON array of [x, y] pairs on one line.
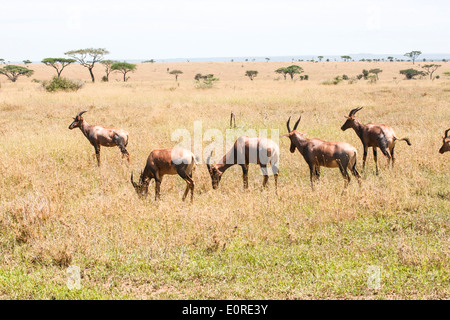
[[285, 135]]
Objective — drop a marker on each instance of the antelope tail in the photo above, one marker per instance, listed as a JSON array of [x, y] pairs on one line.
[[404, 139]]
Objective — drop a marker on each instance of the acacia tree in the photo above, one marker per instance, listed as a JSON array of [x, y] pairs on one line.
[[58, 63], [107, 64], [346, 58], [411, 73], [282, 71], [413, 55], [88, 57], [176, 73], [12, 72], [431, 68], [251, 74], [375, 72], [124, 68], [293, 70]]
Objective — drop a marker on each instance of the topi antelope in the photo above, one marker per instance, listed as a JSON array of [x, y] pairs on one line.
[[166, 162], [446, 142], [319, 153], [247, 150], [375, 136], [100, 136]]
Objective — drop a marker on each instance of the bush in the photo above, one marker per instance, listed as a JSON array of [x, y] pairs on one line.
[[335, 81], [365, 74], [304, 77], [411, 73], [352, 80], [62, 84], [205, 81], [344, 77]]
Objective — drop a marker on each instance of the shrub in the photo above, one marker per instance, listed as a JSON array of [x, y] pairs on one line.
[[344, 77], [206, 81], [365, 74], [372, 79], [352, 80], [411, 73], [335, 81], [62, 84]]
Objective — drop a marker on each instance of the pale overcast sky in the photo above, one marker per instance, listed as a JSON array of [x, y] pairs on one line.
[[164, 29]]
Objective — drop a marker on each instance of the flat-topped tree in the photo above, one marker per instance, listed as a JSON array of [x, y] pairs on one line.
[[293, 70], [413, 55], [282, 71], [411, 73], [58, 64], [251, 74], [88, 57], [124, 68], [375, 71], [12, 72], [431, 68], [176, 73]]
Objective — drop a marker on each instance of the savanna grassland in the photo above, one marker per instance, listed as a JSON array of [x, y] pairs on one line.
[[58, 209]]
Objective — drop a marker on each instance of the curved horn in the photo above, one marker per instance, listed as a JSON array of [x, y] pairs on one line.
[[446, 133], [132, 182], [296, 124], [353, 111], [208, 161], [287, 124], [81, 112]]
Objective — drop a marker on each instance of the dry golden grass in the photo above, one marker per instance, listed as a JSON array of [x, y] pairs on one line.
[[59, 209]]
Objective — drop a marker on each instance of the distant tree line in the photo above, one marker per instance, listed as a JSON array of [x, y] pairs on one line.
[[89, 57]]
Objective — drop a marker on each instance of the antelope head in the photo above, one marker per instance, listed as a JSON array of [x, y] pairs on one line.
[[215, 174], [141, 187], [291, 133], [77, 120], [445, 142], [350, 119]]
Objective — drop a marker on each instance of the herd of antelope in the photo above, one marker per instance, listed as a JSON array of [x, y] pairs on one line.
[[262, 151]]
